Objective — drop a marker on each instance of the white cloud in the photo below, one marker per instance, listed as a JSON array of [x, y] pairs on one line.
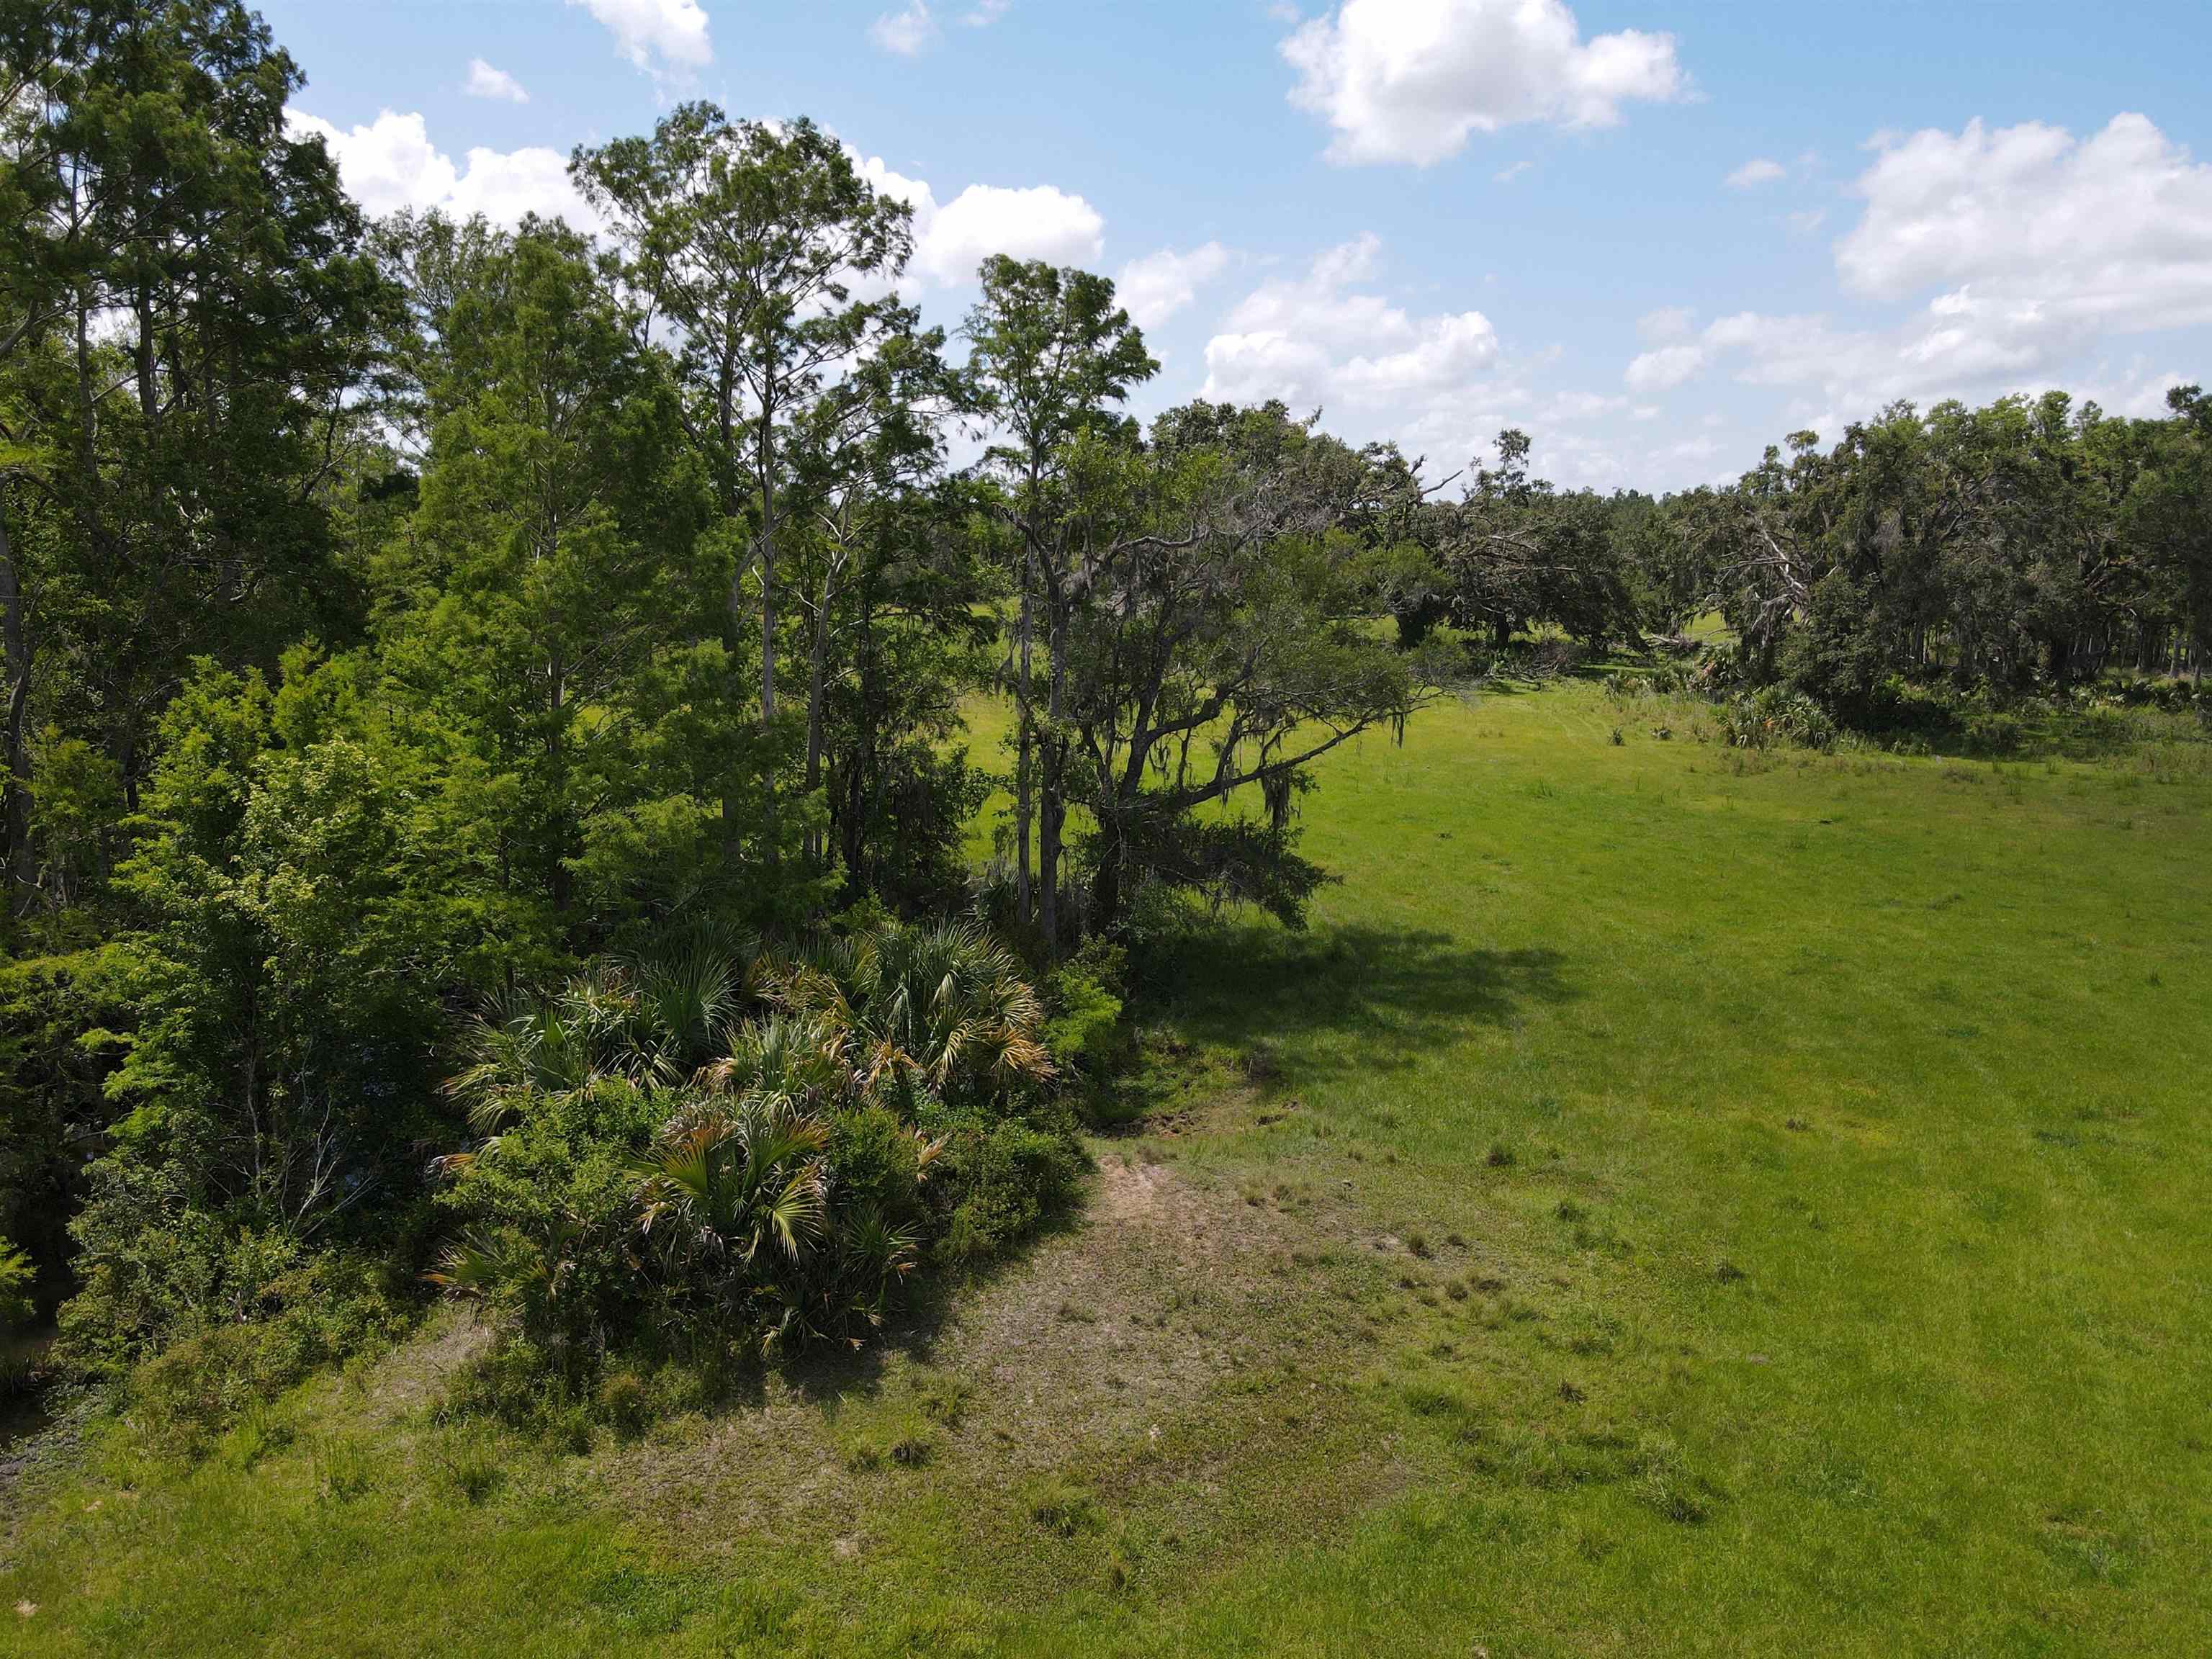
[[1409, 80], [1039, 222], [1667, 324], [2115, 229], [1320, 340], [1755, 173], [1507, 175], [2139, 392], [905, 32], [1665, 368], [668, 39], [2013, 251], [485, 82], [390, 164], [1571, 406], [1158, 286], [986, 13], [951, 239]]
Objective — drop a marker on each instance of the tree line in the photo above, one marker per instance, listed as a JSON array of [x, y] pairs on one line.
[[2029, 545]]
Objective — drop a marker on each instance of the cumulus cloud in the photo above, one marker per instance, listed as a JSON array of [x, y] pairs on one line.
[[1158, 286], [1758, 171], [1410, 79], [951, 239], [1324, 339], [914, 28], [2007, 258], [1039, 222], [667, 39], [1665, 368], [390, 164], [485, 82], [905, 32], [2114, 229]]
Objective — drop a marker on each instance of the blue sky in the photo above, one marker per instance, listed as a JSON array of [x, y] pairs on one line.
[[1657, 235]]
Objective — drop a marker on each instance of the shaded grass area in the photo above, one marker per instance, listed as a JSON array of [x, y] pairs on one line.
[[1670, 1201]]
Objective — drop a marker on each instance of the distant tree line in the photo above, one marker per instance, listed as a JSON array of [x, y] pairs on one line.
[[2032, 544]]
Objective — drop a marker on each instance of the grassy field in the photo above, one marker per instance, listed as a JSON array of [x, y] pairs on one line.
[[1673, 1201]]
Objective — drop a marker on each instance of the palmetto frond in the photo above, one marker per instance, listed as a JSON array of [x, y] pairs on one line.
[[938, 1005], [724, 1181]]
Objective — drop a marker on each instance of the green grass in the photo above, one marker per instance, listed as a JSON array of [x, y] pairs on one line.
[[1671, 1201]]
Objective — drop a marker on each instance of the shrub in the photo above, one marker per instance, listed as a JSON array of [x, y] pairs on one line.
[[1774, 714], [1992, 732], [188, 1395], [1001, 1180], [1839, 656], [15, 1277], [1085, 1033], [873, 1100], [625, 1400], [876, 1160]]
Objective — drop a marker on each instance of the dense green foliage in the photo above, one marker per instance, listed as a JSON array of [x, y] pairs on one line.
[[1924, 561], [409, 620], [2029, 544], [723, 1152]]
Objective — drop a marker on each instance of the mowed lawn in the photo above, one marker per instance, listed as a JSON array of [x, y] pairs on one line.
[[1670, 1201]]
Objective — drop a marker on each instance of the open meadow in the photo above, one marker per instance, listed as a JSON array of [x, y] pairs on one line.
[[1674, 1199]]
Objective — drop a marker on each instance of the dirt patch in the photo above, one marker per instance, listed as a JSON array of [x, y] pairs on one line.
[[1127, 1341], [1128, 1191], [418, 1373]]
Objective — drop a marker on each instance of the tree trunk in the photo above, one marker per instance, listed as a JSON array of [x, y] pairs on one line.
[[1106, 886], [866, 769], [817, 658], [1055, 802], [1024, 738], [558, 878], [15, 641], [734, 633], [766, 464]]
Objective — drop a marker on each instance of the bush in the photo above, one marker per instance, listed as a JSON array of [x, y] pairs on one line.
[[1839, 656], [878, 1099], [999, 1180], [1994, 734], [15, 1277], [187, 1395], [1085, 1033], [625, 1401], [1774, 714]]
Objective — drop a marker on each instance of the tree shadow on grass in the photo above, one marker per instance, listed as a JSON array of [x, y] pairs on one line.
[[831, 1372], [1393, 992]]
